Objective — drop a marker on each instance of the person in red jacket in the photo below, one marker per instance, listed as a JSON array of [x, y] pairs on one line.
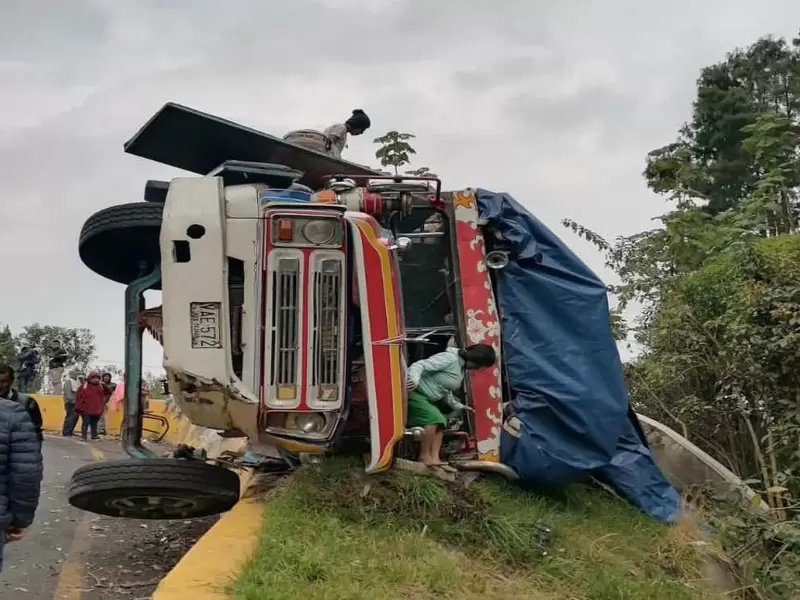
[[90, 404]]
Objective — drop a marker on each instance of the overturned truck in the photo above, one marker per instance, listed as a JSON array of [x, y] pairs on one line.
[[297, 287]]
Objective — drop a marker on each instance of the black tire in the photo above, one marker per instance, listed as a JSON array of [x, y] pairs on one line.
[[116, 241], [156, 489]]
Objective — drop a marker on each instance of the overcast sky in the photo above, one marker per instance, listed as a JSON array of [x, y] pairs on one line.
[[556, 103]]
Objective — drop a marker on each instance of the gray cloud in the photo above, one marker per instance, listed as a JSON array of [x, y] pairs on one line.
[[556, 103]]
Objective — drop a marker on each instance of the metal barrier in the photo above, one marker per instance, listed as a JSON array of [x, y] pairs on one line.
[[163, 421]]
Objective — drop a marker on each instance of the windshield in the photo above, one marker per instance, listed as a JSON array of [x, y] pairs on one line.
[[425, 268]]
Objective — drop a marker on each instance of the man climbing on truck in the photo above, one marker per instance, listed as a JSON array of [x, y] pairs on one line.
[[431, 383]]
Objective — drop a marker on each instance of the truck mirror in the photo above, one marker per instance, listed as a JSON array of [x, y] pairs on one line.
[[496, 259]]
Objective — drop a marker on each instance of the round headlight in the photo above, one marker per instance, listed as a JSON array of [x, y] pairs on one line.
[[309, 422], [320, 232]]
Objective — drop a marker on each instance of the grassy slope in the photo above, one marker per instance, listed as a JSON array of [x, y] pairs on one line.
[[333, 534]]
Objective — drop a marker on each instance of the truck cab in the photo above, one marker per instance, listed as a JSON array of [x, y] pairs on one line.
[[268, 294], [293, 296]]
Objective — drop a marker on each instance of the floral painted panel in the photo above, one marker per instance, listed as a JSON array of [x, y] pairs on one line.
[[482, 324]]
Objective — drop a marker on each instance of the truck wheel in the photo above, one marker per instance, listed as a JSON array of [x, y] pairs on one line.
[[116, 241], [157, 488]]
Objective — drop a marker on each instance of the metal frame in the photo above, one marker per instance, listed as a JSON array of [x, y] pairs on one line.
[[398, 179], [161, 433], [133, 407]]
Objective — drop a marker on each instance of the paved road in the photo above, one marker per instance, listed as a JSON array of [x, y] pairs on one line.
[[72, 555]]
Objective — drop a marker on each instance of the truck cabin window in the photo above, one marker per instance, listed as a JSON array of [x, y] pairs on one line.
[[426, 273]]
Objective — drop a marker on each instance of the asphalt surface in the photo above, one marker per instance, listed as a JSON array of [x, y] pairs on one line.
[[72, 555]]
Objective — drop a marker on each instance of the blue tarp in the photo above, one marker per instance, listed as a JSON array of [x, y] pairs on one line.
[[564, 370], [289, 195]]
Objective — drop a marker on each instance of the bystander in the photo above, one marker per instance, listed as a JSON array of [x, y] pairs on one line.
[[89, 403], [20, 472], [108, 389], [8, 392], [70, 384]]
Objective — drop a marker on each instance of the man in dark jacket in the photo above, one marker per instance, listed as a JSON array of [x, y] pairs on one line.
[[29, 361], [28, 403], [20, 472]]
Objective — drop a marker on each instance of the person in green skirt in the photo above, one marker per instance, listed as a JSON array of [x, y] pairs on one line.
[[431, 383]]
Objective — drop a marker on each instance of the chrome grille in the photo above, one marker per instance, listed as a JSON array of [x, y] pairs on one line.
[[285, 321], [327, 325]]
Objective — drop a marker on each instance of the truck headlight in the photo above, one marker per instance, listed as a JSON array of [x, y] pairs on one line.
[[320, 231], [306, 422]]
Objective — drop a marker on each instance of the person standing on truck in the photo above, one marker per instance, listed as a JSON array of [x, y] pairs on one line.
[[20, 472], [90, 404], [29, 361], [357, 124], [27, 402], [431, 383], [58, 358]]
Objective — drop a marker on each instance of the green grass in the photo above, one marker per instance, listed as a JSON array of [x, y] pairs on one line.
[[334, 534]]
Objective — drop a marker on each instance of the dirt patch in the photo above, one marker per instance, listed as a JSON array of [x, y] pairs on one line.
[[130, 557]]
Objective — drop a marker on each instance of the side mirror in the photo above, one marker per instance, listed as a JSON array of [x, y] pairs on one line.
[[402, 243], [496, 259]]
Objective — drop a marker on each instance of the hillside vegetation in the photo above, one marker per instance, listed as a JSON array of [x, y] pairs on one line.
[[331, 533]]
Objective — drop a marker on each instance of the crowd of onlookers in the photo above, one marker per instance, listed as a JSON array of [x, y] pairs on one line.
[[29, 359], [21, 433], [86, 399]]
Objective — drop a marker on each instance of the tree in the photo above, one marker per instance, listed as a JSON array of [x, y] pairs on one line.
[[395, 150], [154, 383], [710, 160], [78, 343], [718, 283], [716, 279], [773, 141]]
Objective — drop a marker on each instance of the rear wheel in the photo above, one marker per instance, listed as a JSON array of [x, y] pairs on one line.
[[158, 488], [121, 241]]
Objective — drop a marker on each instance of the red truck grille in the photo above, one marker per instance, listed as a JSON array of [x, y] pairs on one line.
[[326, 331], [285, 322]]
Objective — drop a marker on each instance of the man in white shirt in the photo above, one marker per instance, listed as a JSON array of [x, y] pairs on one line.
[[357, 124], [70, 385]]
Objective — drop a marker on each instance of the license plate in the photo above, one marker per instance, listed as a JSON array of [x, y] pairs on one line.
[[205, 324]]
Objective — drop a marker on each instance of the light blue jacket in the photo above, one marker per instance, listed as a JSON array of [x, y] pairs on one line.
[[438, 376]]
